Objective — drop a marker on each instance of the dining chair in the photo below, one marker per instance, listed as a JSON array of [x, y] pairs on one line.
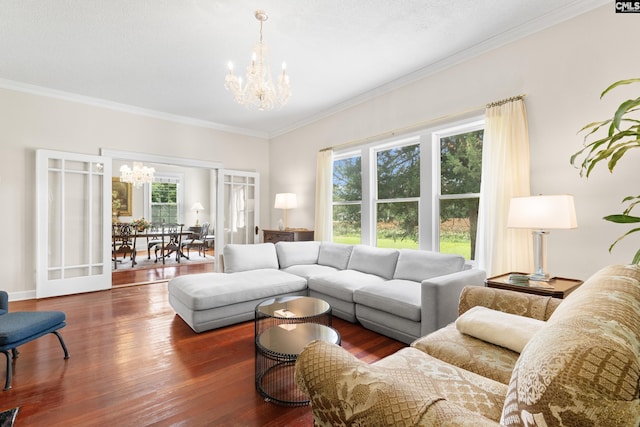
[[171, 242], [154, 237], [196, 241], [210, 239], [124, 237]]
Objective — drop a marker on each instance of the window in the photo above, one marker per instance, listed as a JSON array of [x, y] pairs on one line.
[[398, 189], [422, 191], [165, 199], [460, 171], [347, 199]]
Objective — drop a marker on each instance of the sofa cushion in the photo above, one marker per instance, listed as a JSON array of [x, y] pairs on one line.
[[342, 283], [249, 257], [308, 270], [210, 290], [583, 367], [398, 297], [420, 265], [467, 352], [378, 261], [296, 253], [334, 255], [500, 328]]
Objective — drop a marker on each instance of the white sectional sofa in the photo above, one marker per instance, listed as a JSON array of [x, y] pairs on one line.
[[404, 294]]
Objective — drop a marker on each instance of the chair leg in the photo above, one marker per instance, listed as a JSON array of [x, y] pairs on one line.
[[64, 347], [15, 352], [7, 383]]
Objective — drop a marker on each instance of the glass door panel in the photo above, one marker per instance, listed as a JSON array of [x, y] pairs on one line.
[[73, 226]]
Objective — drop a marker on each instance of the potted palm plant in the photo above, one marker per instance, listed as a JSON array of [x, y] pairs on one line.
[[622, 134]]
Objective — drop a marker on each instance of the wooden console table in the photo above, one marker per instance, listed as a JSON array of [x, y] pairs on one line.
[[287, 235]]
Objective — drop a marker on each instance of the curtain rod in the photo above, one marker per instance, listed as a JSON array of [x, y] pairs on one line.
[[504, 101], [417, 126]]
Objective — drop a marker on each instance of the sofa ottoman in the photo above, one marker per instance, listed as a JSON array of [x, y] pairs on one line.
[[213, 300]]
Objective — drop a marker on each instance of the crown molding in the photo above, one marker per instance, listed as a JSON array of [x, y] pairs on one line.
[[101, 103]]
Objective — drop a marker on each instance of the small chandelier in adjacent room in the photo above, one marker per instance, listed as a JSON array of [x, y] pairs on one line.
[[137, 176], [259, 91]]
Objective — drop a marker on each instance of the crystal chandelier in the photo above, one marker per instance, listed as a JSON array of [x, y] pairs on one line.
[[138, 176], [259, 91]]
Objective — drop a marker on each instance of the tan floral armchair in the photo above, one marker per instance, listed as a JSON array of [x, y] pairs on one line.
[[581, 368]]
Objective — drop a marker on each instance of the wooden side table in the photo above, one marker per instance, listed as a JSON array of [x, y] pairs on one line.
[[557, 287], [287, 235]]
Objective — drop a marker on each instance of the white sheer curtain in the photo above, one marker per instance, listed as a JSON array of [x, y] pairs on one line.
[[324, 194], [505, 174]]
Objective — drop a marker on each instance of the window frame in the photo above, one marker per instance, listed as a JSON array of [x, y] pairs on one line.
[[178, 179], [342, 156], [430, 179]]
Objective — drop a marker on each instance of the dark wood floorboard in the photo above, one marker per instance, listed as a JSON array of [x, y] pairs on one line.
[[162, 272], [134, 362]]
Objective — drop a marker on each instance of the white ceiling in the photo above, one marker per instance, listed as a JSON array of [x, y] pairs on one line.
[[170, 56]]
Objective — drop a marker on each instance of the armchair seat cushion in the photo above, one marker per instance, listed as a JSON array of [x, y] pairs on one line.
[[21, 326], [450, 345]]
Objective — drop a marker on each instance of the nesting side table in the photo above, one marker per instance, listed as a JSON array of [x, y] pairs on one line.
[[283, 327]]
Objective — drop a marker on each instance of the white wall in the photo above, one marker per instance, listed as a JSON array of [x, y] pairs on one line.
[[562, 71], [28, 122]]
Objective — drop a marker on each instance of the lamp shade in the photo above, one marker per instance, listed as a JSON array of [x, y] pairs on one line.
[[286, 201], [542, 212], [197, 206]]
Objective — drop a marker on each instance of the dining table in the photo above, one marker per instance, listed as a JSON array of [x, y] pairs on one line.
[[125, 234]]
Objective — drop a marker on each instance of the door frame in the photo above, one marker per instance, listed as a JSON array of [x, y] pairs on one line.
[[184, 162]]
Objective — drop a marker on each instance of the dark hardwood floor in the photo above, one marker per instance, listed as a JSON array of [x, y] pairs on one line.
[[158, 273], [134, 362]]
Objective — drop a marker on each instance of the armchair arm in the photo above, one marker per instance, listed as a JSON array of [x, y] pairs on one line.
[[529, 305], [441, 295], [347, 391]]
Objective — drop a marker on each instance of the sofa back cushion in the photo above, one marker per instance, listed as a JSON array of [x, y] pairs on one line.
[[249, 257], [583, 367], [297, 253], [378, 261], [334, 255], [419, 265]]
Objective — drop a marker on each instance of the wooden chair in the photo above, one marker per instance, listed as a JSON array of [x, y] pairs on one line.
[[152, 239], [124, 242], [171, 235], [196, 241]]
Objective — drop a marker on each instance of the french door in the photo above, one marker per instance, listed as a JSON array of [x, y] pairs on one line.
[[73, 230], [241, 207]]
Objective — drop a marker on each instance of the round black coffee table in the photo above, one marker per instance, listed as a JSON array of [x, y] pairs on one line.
[[283, 327]]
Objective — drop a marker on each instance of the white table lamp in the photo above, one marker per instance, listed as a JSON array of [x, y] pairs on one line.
[[541, 213], [197, 207], [286, 201]]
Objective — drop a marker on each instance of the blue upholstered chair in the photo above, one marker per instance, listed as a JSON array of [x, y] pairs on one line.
[[20, 327]]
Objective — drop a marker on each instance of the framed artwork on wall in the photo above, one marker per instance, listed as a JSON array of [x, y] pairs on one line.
[[121, 194]]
